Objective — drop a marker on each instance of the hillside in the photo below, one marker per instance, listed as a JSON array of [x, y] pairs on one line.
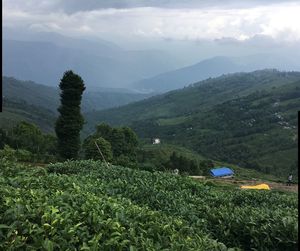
[[48, 97], [31, 93], [258, 131], [36, 103], [249, 119], [214, 67], [15, 111], [83, 205], [197, 97], [159, 154]]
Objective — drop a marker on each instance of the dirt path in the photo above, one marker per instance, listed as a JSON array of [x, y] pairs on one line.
[[272, 185]]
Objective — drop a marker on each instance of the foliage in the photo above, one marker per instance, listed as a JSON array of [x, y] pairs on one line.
[[84, 205], [15, 111], [70, 121], [8, 153], [28, 137], [182, 164], [248, 119], [25, 156], [38, 97], [124, 160], [3, 138], [206, 166], [92, 152], [123, 142], [169, 157]]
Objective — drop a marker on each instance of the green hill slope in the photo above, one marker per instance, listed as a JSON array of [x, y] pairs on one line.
[[84, 205], [17, 111], [198, 97], [48, 97], [249, 119], [32, 102]]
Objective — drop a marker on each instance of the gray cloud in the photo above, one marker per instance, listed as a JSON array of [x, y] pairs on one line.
[[72, 6], [163, 19]]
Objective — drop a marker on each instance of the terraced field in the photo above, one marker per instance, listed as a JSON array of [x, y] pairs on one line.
[[83, 205]]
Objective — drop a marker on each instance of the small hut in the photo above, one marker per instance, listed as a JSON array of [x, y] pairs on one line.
[[222, 172]]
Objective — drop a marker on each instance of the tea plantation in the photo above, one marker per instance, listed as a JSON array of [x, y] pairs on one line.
[[83, 205]]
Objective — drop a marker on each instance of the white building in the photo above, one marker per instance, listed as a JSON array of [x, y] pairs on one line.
[[156, 141]]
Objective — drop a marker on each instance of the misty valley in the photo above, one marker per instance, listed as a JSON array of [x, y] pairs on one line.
[[148, 125]]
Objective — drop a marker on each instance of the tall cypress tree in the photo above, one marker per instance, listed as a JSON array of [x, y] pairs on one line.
[[70, 121]]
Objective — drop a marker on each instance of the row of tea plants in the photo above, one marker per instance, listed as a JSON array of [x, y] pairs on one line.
[[84, 205]]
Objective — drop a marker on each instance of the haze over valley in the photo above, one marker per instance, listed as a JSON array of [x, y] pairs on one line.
[[127, 46]]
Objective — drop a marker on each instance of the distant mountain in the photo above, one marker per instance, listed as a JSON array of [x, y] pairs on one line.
[[99, 46], [48, 97], [249, 119], [100, 64], [214, 67], [27, 100]]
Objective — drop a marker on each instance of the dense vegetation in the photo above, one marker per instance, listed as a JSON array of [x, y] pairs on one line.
[[37, 103], [15, 111], [166, 157], [198, 97], [26, 142], [256, 131], [118, 145], [84, 205], [48, 97], [249, 119], [245, 119], [70, 121]]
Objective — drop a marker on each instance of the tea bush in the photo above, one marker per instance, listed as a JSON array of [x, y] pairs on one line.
[[84, 205]]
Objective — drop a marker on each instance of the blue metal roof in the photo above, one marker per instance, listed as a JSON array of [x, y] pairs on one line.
[[221, 171]]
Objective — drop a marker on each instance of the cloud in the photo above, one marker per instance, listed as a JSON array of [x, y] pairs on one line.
[[72, 6], [279, 21]]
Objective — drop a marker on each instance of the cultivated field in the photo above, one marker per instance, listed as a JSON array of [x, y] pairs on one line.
[[83, 205]]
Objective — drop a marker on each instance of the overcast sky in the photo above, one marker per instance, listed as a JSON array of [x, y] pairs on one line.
[[190, 20]]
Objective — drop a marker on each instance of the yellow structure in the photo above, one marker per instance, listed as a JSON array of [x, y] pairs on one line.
[[260, 187]]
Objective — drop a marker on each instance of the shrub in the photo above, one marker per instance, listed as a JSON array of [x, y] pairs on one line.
[[8, 153], [83, 205]]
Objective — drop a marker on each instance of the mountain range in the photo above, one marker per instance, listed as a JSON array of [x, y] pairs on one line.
[[44, 56], [214, 67], [249, 119], [99, 64], [224, 111]]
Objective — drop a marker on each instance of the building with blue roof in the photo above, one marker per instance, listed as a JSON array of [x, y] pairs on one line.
[[223, 172]]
